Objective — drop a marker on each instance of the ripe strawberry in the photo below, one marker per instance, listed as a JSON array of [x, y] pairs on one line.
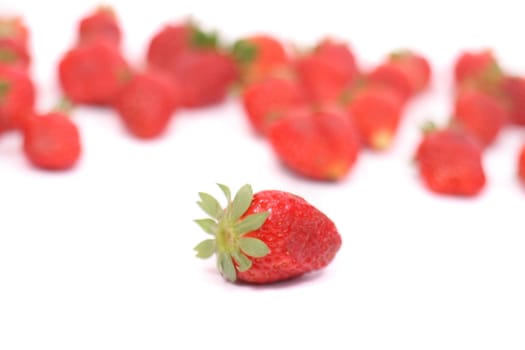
[[206, 76], [376, 113], [450, 162], [521, 164], [479, 69], [14, 42], [318, 145], [267, 100], [17, 97], [100, 24], [267, 237], [514, 89], [146, 104], [416, 65], [395, 76], [260, 56], [192, 58], [480, 114], [52, 141], [93, 73], [327, 72]]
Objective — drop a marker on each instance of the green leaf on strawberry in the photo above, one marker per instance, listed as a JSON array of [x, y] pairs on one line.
[[233, 249]]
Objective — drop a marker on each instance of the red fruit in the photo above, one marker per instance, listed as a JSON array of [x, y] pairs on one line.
[[327, 72], [396, 77], [167, 44], [267, 237], [13, 52], [260, 56], [376, 112], [479, 69], [101, 24], [450, 163], [52, 141], [480, 114], [17, 97], [514, 88], [93, 73], [14, 28], [317, 145], [266, 101], [205, 75], [521, 164], [416, 65], [146, 104]]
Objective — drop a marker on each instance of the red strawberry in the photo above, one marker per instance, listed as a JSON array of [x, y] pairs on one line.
[[416, 65], [450, 163], [260, 56], [100, 24], [521, 164], [376, 112], [52, 141], [267, 237], [479, 69], [146, 104], [514, 88], [206, 76], [480, 114], [17, 97], [267, 100], [192, 58], [318, 145], [327, 72], [14, 42], [93, 73], [396, 77]]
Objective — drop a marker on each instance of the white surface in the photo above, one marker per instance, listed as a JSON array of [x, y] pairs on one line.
[[101, 257]]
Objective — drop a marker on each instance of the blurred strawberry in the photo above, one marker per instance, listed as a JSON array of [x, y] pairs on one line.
[[514, 89], [478, 69], [521, 164], [17, 97], [14, 42], [100, 24]]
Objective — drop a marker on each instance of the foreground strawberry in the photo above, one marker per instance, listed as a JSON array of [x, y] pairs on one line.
[[449, 162], [267, 237], [318, 145], [52, 141]]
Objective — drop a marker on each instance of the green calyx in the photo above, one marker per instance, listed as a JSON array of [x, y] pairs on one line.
[[4, 88], [201, 39], [229, 228], [244, 51]]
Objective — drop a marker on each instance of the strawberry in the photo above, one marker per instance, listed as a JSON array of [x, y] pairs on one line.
[[449, 162], [146, 104], [416, 65], [260, 56], [327, 71], [14, 42], [521, 164], [376, 113], [17, 97], [266, 237], [93, 73], [514, 89], [318, 145], [480, 114], [479, 69], [193, 59], [206, 76], [395, 76], [51, 141], [100, 24], [267, 100]]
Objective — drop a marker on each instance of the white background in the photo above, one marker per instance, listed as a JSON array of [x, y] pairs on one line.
[[101, 257]]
